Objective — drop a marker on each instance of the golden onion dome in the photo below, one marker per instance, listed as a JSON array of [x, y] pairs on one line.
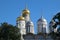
[[25, 11], [20, 18]]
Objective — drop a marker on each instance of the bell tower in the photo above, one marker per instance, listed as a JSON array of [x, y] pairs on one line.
[[21, 24], [29, 23]]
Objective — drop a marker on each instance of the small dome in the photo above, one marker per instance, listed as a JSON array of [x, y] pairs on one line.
[[25, 11], [20, 18], [43, 20], [29, 23]]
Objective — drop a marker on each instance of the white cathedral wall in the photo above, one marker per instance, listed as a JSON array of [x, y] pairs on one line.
[[47, 29], [27, 18], [39, 27], [21, 26], [32, 29]]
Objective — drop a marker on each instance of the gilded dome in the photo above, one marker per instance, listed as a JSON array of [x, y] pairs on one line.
[[25, 11], [20, 18]]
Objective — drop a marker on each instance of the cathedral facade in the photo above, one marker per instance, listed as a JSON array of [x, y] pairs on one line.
[[26, 26]]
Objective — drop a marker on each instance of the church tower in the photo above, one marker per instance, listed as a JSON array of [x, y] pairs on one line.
[[30, 27], [29, 24], [42, 25], [26, 14], [21, 24]]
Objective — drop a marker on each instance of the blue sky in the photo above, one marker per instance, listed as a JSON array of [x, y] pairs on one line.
[[11, 9]]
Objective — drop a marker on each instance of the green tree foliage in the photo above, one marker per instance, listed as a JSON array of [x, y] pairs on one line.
[[9, 32]]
